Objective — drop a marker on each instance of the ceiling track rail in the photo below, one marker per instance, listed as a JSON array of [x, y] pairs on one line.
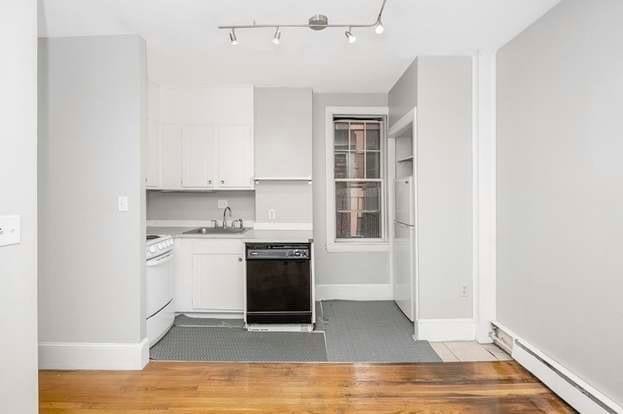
[[317, 22]]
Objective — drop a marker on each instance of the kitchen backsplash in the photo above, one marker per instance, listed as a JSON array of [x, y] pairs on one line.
[[199, 205]]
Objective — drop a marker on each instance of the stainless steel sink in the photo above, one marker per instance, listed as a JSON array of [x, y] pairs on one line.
[[216, 230]]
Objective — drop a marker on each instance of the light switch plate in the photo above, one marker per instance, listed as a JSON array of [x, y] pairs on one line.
[[10, 232], [123, 203], [223, 204]]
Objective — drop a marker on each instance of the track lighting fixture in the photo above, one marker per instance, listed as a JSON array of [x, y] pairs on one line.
[[350, 36], [232, 37], [277, 36], [317, 22]]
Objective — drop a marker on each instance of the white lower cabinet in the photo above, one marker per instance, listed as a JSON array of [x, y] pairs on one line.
[[210, 275]]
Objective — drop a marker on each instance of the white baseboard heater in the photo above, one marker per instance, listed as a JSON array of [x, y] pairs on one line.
[[563, 382]]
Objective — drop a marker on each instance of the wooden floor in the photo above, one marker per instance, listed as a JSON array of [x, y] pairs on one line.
[[171, 387]]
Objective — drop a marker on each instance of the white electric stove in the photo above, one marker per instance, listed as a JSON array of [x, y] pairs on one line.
[[159, 284]]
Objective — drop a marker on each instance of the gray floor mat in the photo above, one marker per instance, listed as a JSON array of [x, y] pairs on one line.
[[346, 331], [190, 322], [232, 344], [370, 332]]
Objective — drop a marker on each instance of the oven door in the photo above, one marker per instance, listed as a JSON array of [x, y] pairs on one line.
[[159, 283], [279, 291]]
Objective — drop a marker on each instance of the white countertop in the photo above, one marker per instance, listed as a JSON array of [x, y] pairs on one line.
[[251, 235]]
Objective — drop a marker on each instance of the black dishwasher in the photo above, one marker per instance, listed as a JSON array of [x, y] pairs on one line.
[[279, 287]]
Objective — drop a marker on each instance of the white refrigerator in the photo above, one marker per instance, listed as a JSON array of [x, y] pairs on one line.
[[404, 246]]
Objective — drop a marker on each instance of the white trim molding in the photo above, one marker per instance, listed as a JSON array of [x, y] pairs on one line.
[[441, 330], [484, 192], [94, 356], [333, 246], [355, 292], [566, 384]]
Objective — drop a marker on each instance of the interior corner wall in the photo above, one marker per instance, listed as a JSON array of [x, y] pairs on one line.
[[402, 97], [441, 87], [92, 93], [340, 268], [18, 181], [559, 189]]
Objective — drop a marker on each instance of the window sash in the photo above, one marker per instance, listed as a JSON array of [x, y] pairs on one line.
[[345, 149]]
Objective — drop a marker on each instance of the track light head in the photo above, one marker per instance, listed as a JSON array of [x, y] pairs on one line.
[[277, 36], [350, 36], [232, 38], [379, 28]]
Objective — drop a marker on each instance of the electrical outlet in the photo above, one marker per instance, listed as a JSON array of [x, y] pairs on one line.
[[464, 291], [10, 230], [123, 203], [223, 204], [272, 214]]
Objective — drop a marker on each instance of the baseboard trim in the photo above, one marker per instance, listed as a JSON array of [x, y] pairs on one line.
[[94, 356], [355, 292], [567, 385], [440, 330]]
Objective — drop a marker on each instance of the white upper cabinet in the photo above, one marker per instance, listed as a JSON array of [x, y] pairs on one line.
[[235, 154], [170, 156], [199, 157], [204, 139], [152, 139], [152, 155]]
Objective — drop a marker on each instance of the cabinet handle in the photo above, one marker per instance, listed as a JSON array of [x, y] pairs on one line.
[[240, 259], [209, 181], [222, 181]]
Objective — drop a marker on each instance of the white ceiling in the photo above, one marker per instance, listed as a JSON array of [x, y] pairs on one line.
[[186, 48]]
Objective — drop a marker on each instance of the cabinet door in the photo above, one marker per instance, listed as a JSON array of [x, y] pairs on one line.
[[171, 156], [218, 282], [152, 156], [235, 155], [198, 157]]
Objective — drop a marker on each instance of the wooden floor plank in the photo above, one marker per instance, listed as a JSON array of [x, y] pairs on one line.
[[171, 387]]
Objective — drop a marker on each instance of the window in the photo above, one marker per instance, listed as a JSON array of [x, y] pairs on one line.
[[356, 182]]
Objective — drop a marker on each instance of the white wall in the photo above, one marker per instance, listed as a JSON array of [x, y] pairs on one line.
[[199, 206], [560, 180], [283, 132], [18, 181], [91, 132], [402, 97], [445, 205], [340, 268], [283, 149]]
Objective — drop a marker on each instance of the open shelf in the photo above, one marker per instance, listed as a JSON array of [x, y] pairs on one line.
[[282, 179]]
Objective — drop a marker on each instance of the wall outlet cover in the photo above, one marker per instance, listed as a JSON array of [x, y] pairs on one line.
[[10, 232], [272, 214], [223, 204], [464, 291]]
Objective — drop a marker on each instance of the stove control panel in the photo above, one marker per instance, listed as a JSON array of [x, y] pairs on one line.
[[157, 246]]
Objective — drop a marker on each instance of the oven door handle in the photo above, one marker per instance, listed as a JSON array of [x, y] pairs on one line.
[[160, 259]]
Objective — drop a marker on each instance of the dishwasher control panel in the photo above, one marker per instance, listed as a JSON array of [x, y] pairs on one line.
[[278, 251]]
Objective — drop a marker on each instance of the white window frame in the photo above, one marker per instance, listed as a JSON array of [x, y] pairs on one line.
[[355, 245]]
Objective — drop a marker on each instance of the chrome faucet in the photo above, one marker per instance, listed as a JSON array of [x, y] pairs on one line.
[[225, 216]]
